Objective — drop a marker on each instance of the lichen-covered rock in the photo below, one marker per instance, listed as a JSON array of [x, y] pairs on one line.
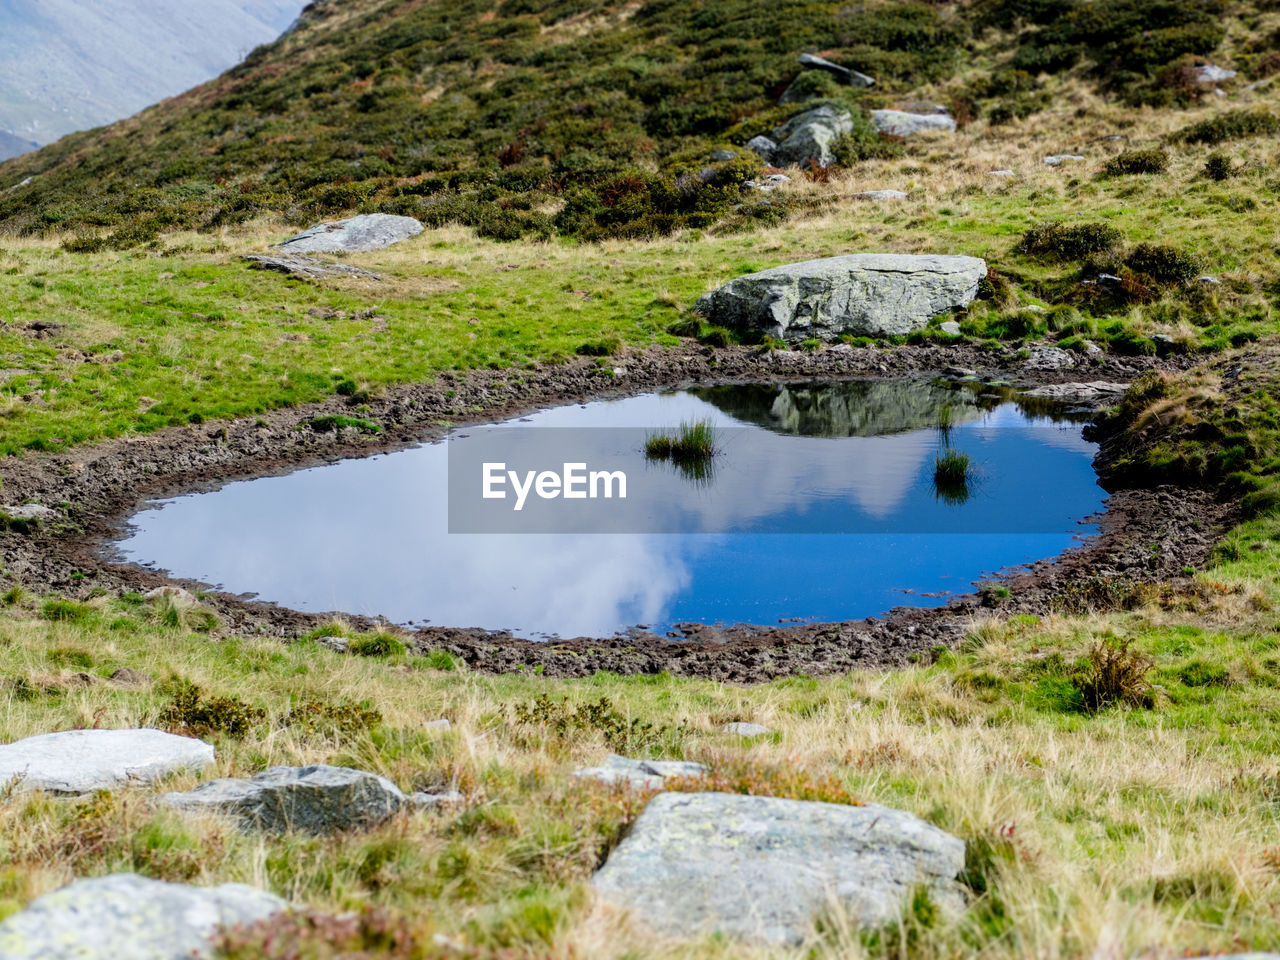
[[812, 135], [127, 916], [871, 294], [1044, 357], [316, 799], [82, 761], [640, 774], [369, 232], [29, 511], [762, 868], [899, 123]]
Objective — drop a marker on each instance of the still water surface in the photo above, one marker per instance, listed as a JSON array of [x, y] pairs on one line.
[[821, 505]]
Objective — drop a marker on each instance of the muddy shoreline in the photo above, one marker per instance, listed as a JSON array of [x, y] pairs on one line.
[[1147, 535]]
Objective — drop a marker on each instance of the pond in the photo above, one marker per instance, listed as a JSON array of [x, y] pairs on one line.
[[822, 502]]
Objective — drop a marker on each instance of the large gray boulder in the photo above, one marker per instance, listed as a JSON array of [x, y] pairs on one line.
[[868, 294], [812, 135], [852, 77], [127, 916], [899, 123], [762, 869], [317, 799], [369, 232], [82, 761]]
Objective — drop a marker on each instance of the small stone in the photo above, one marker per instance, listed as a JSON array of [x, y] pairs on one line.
[[434, 801], [1000, 173], [852, 77], [745, 729], [1209, 73], [1211, 281], [951, 328], [639, 774], [317, 799], [128, 916], [1049, 358], [1058, 159], [882, 195], [959, 373], [441, 724], [82, 761], [777, 178]]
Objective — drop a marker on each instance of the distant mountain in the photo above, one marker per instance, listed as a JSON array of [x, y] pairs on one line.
[[11, 146], [69, 65]]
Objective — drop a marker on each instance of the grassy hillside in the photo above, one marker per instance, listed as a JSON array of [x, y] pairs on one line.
[[579, 117]]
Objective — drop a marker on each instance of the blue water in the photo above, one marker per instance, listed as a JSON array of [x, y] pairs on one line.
[[820, 505]]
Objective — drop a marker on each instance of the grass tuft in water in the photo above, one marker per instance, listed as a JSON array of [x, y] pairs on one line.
[[693, 442], [951, 475]]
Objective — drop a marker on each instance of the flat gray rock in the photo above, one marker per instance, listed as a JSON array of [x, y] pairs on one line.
[[761, 869], [812, 135], [951, 328], [127, 917], [435, 801], [82, 761], [882, 195], [1058, 159], [368, 232], [640, 774], [307, 268], [899, 123], [317, 799], [868, 294], [745, 729]]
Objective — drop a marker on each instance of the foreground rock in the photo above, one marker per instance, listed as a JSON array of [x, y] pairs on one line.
[[898, 123], [307, 268], [812, 135], [369, 232], [640, 774], [127, 916], [870, 294], [317, 799], [762, 869], [82, 761]]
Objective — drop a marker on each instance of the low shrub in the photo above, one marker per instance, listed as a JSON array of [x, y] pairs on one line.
[[1231, 125], [377, 645], [190, 711], [1218, 167], [1137, 162], [1116, 674], [620, 733], [332, 423], [1163, 264], [1065, 242]]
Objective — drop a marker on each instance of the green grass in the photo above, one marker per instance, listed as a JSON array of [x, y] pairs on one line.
[[1157, 814], [693, 442]]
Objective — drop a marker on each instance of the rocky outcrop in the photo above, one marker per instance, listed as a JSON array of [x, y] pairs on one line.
[[871, 294], [317, 799], [127, 916], [369, 232], [82, 761], [640, 774], [812, 135], [1093, 393], [898, 123], [762, 869]]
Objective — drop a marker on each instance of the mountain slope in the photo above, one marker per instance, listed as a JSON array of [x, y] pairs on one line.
[[69, 65], [581, 117]]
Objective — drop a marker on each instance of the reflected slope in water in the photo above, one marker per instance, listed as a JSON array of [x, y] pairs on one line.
[[798, 465]]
